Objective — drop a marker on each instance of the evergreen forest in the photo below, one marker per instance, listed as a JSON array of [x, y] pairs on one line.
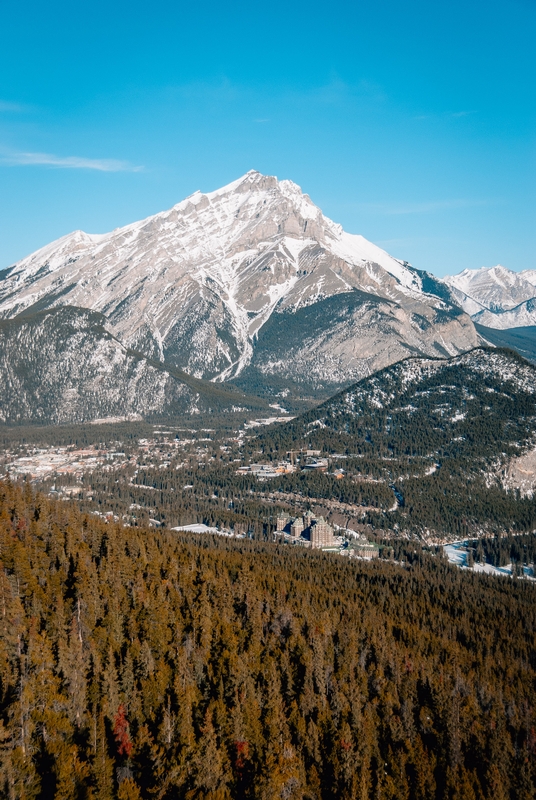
[[141, 663]]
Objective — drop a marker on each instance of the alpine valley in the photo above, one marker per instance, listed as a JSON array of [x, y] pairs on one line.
[[330, 600], [250, 285]]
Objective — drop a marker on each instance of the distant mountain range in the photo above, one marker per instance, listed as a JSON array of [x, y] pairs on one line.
[[496, 297], [250, 284]]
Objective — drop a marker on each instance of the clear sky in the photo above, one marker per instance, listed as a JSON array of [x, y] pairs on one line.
[[412, 123]]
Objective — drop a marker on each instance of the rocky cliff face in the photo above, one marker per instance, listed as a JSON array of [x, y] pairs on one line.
[[250, 283]]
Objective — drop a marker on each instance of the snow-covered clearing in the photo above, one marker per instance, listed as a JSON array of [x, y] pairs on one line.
[[458, 552]]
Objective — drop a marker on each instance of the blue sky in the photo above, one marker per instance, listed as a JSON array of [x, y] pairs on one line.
[[411, 123]]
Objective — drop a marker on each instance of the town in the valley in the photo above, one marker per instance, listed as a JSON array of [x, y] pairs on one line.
[[215, 481], [73, 472]]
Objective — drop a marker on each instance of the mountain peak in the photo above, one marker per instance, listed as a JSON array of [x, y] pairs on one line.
[[206, 285], [496, 297], [252, 180]]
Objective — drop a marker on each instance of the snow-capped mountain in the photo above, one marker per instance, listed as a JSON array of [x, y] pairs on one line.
[[249, 282], [496, 296]]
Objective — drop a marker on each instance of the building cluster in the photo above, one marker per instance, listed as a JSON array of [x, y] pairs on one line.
[[264, 471], [39, 463], [308, 459], [305, 460], [362, 548], [309, 528], [316, 464]]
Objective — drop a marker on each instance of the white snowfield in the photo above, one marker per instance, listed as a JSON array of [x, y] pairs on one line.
[[496, 296], [458, 554], [195, 284]]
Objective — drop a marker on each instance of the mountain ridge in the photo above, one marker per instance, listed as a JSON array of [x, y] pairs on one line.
[[451, 439], [194, 285], [496, 297]]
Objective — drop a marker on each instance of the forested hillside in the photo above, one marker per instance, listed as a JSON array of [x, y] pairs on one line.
[[469, 408], [439, 432], [62, 366], [141, 664]]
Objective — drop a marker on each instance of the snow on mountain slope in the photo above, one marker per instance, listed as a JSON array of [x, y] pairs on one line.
[[61, 365], [520, 316], [529, 275], [496, 296], [196, 285]]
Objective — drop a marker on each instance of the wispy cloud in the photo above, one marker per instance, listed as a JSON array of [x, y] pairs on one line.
[[15, 158]]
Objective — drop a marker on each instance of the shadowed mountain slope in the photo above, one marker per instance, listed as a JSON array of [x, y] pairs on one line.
[[62, 366]]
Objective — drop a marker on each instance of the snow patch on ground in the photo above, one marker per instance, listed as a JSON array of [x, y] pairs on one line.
[[457, 554]]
